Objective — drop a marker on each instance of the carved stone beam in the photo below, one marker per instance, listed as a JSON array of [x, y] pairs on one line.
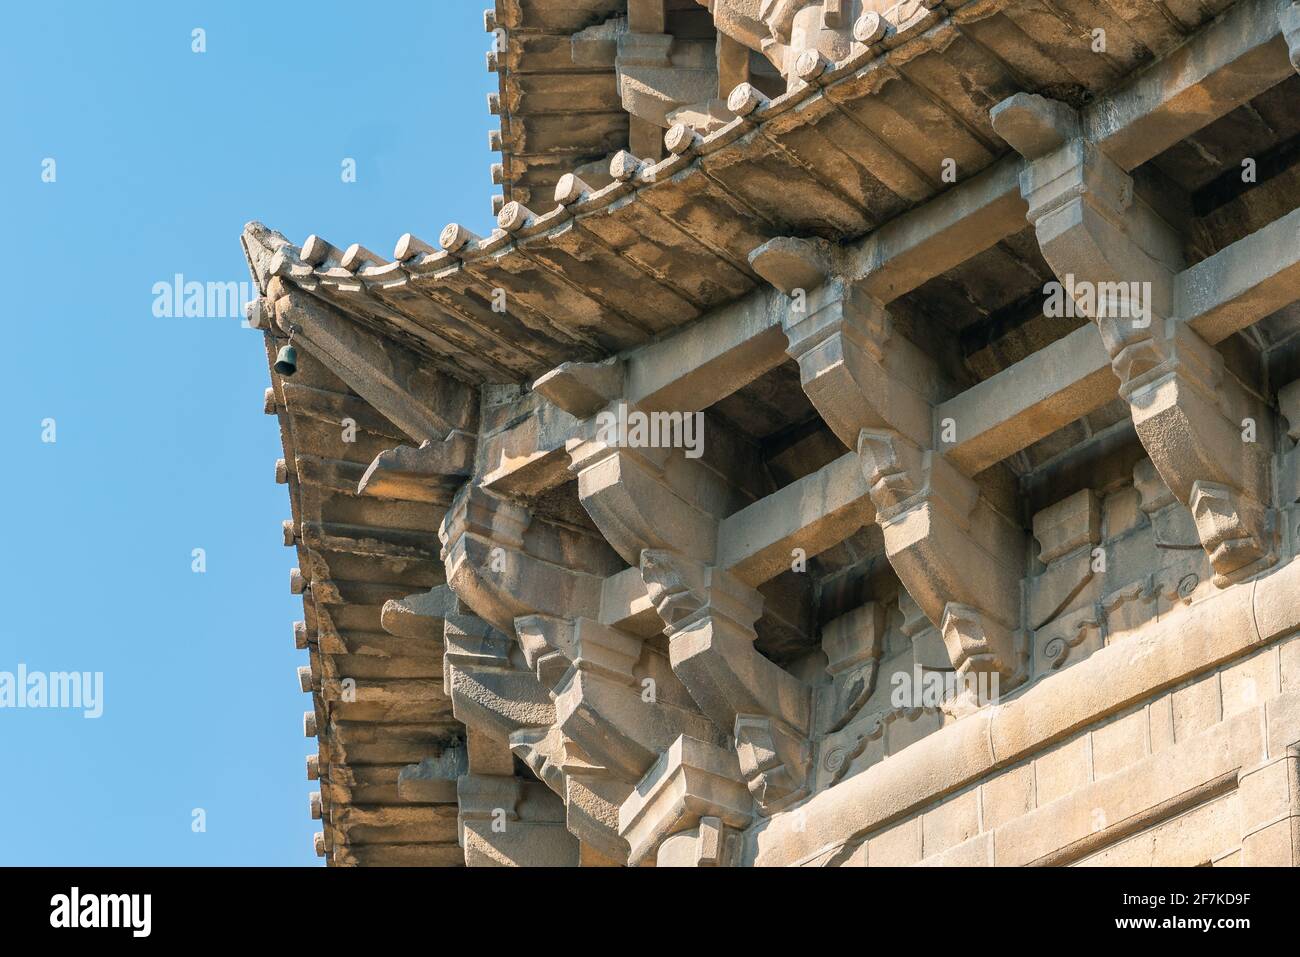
[[1119, 262], [709, 616], [423, 404]]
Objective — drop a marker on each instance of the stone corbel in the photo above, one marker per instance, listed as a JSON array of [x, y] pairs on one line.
[[494, 694], [959, 560], [1119, 261], [1202, 457], [490, 687], [492, 691], [692, 785], [419, 474], [710, 844], [499, 562], [709, 619], [638, 496], [662, 78], [634, 495], [489, 841], [620, 712], [591, 794], [854, 370]]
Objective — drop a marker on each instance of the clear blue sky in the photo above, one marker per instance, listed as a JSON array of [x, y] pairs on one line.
[[162, 155]]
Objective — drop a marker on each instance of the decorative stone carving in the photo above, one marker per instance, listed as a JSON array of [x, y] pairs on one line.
[[955, 554], [1119, 261], [853, 644], [709, 617], [692, 781]]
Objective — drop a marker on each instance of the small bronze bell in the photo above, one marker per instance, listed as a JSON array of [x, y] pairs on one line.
[[286, 361]]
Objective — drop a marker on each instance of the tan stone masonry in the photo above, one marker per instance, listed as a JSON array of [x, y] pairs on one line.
[[986, 318]]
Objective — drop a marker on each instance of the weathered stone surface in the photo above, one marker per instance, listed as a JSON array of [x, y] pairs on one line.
[[984, 395]]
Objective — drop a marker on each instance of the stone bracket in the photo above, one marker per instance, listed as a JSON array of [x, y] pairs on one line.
[[709, 617], [691, 782], [853, 644], [629, 493], [1119, 262], [854, 370], [492, 570], [959, 560]]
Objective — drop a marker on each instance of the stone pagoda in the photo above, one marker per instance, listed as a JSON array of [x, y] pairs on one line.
[[867, 437]]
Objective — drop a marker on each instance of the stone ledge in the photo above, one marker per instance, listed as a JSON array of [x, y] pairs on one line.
[[1210, 633]]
